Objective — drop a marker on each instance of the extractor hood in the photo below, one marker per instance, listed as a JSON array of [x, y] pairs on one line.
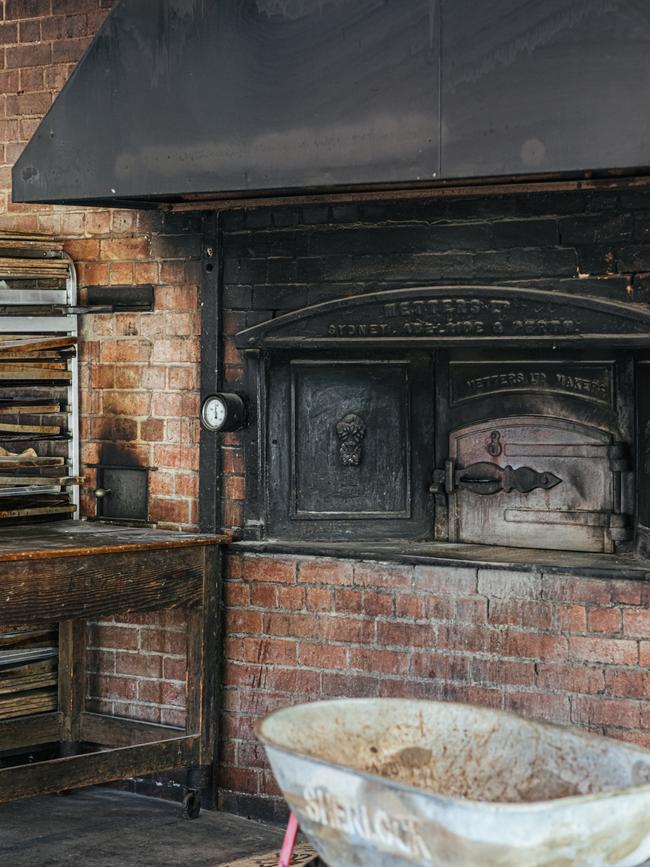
[[182, 99]]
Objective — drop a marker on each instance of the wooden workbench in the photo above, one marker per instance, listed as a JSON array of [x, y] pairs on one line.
[[72, 572]]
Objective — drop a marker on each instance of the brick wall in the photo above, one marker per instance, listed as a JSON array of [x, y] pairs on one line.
[[558, 648], [567, 649], [138, 372]]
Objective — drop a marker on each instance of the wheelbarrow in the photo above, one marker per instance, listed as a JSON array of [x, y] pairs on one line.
[[393, 783]]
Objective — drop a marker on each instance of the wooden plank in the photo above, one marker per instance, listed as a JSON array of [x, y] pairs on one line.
[[119, 732], [33, 344], [6, 427], [47, 363], [73, 639], [26, 481], [13, 636], [37, 511], [38, 591], [303, 856], [20, 462], [30, 731], [37, 408], [27, 682], [27, 704], [28, 267], [93, 768], [25, 374], [79, 539]]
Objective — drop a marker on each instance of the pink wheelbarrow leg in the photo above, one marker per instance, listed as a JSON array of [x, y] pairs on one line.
[[289, 842]]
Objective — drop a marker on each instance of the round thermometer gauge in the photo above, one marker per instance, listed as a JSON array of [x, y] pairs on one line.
[[223, 412]]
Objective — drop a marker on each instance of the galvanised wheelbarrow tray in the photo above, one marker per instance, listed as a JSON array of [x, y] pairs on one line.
[[392, 783]]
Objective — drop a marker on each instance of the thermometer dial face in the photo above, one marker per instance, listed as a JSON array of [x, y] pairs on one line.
[[214, 413], [223, 412]]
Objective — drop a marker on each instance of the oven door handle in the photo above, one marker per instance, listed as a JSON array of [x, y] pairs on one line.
[[486, 478]]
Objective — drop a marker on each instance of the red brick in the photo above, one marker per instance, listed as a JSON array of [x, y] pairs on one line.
[[606, 620], [572, 618], [139, 664], [127, 249], [125, 350], [281, 624], [347, 630], [350, 686], [176, 457], [409, 606], [233, 461], [115, 687], [554, 708], [349, 601], [266, 651], [291, 598], [520, 613], [17, 57], [628, 683], [468, 638], [636, 623], [235, 487], [26, 9], [127, 403], [291, 680], [152, 430], [322, 656], [503, 671], [629, 592], [609, 650], [508, 584], [405, 635], [169, 510], [381, 661], [566, 678], [319, 599], [446, 580], [373, 574], [236, 593], [162, 641], [326, 572], [535, 646], [106, 636], [644, 654], [239, 779], [577, 589], [243, 622], [269, 569], [263, 595], [602, 711], [377, 604], [440, 666]]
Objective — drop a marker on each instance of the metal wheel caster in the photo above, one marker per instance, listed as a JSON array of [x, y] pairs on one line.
[[192, 805]]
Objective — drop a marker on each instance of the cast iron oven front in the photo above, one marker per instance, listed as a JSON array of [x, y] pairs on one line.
[[480, 415]]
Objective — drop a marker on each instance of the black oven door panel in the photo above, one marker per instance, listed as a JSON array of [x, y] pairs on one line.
[[349, 444]]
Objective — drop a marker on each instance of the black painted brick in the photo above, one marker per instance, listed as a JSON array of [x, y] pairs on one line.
[[596, 260], [633, 258], [238, 297], [596, 228]]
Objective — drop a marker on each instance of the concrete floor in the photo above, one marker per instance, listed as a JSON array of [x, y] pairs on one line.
[[102, 828]]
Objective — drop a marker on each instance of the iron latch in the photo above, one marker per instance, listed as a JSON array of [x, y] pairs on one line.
[[443, 480], [486, 478]]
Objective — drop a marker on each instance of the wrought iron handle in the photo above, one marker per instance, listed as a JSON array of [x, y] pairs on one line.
[[486, 478]]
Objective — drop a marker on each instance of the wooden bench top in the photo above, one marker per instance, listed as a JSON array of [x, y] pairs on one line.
[[82, 538]]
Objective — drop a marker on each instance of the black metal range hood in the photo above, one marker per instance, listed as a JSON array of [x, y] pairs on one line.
[[178, 99]]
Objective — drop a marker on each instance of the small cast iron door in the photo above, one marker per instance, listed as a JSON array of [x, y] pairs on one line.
[[534, 482]]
